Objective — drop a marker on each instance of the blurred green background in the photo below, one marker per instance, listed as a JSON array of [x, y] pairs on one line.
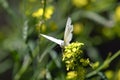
[[25, 55]]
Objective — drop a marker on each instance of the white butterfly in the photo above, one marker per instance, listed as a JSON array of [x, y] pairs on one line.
[[67, 35]]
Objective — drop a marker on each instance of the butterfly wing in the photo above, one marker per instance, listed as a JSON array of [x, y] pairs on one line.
[[58, 41], [68, 32]]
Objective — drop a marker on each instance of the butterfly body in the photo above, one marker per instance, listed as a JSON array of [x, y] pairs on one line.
[[67, 35]]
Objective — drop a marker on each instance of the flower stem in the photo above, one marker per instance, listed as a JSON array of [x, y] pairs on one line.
[[106, 63]]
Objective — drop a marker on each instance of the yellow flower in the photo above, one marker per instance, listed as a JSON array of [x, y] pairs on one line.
[[49, 12], [71, 75], [68, 55], [71, 55], [95, 65], [117, 13], [77, 28], [38, 13], [81, 71], [85, 62], [109, 74], [47, 15], [41, 27], [80, 3], [119, 75], [74, 49]]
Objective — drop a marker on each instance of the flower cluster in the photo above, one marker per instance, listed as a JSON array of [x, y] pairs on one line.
[[80, 3], [71, 54], [71, 75], [74, 61], [48, 12]]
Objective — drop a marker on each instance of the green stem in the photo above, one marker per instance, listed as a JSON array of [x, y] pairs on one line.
[[26, 63], [42, 21], [45, 53], [106, 63], [44, 8]]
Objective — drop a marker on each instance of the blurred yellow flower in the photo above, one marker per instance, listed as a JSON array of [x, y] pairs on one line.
[[117, 13], [49, 12], [39, 13], [85, 62], [80, 3], [53, 26], [78, 27], [108, 32], [118, 75], [109, 74], [95, 65], [41, 27], [71, 75]]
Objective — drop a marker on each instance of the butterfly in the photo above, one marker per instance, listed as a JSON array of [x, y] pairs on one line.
[[67, 35]]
